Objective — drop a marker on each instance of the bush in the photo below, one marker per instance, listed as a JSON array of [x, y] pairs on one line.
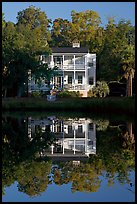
[[36, 94], [91, 94], [101, 89], [68, 94]]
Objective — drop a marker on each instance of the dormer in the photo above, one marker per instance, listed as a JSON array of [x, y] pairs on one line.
[[76, 44]]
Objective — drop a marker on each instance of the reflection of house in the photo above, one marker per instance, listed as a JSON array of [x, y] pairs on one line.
[[77, 69], [74, 137]]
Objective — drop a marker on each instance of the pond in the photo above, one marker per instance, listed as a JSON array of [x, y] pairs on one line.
[[61, 157]]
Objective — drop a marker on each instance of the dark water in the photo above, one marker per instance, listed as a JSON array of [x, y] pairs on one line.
[[50, 157]]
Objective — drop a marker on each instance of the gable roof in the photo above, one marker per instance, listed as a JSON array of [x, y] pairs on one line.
[[69, 50]]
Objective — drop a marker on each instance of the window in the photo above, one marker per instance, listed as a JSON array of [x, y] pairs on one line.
[[69, 129], [69, 79], [79, 128], [90, 64], [80, 79], [58, 59], [90, 81], [90, 126]]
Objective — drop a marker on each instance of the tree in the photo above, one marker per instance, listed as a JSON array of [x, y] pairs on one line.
[[128, 66], [44, 73], [34, 25], [22, 43], [82, 28], [61, 33], [115, 42], [84, 25]]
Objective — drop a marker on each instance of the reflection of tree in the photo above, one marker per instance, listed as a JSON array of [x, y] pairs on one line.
[[114, 159], [128, 137], [112, 154], [17, 149], [101, 125], [84, 178], [33, 177]]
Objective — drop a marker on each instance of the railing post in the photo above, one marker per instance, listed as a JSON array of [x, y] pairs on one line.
[[74, 73]]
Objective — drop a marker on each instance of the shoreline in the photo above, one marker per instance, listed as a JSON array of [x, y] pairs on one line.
[[116, 105]]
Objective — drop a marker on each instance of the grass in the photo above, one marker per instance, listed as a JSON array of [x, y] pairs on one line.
[[110, 105]]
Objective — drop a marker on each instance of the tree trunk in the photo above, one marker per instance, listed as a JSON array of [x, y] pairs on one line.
[[19, 92], [4, 93], [129, 86], [131, 135]]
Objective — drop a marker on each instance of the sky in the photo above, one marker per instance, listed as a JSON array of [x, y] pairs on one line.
[[53, 10]]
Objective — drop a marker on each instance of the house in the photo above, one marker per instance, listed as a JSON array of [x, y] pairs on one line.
[[75, 138], [77, 68]]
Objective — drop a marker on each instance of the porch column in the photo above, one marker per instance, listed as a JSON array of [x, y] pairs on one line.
[[86, 74], [63, 146], [62, 79], [94, 65], [52, 147], [74, 73], [29, 82], [52, 61], [40, 57], [63, 71], [86, 144], [53, 82], [74, 141]]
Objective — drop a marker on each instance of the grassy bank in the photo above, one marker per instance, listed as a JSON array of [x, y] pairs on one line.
[[95, 105]]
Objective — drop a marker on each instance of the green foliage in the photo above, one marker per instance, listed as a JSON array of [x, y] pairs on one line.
[[91, 94], [33, 24], [68, 94], [24, 41], [21, 44], [20, 160], [101, 89], [36, 94], [33, 177], [44, 73], [116, 40], [84, 25], [61, 33]]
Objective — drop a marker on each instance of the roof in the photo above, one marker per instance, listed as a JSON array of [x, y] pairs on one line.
[[69, 50]]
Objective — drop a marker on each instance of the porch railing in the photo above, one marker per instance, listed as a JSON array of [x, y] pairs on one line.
[[75, 87], [71, 66]]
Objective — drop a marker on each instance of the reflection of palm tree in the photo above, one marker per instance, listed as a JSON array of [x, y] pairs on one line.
[[128, 136]]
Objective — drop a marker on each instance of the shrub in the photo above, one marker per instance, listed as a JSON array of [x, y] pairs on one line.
[[101, 89], [91, 94], [68, 94], [36, 94]]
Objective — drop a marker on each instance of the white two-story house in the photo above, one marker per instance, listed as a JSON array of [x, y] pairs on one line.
[[76, 65], [75, 138]]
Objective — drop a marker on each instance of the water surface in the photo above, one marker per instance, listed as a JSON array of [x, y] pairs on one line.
[[67, 158]]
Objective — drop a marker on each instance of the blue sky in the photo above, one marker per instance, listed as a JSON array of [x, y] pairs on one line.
[[63, 10]]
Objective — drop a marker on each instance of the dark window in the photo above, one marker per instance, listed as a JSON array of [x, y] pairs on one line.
[[79, 79], [69, 79], [69, 129], [90, 81], [79, 128], [90, 126], [90, 64]]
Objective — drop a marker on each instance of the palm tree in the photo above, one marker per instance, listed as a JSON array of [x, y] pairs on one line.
[[128, 66]]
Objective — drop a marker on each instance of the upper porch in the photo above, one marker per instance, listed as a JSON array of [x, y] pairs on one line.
[[70, 61]]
